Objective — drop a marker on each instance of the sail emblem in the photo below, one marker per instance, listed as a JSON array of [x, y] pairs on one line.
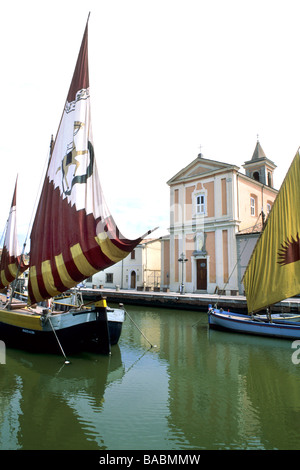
[[76, 165], [289, 251]]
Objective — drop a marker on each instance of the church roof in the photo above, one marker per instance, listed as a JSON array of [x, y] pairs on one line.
[[258, 152], [201, 167], [259, 156]]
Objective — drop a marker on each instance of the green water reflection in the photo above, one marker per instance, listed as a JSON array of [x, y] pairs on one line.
[[197, 389]]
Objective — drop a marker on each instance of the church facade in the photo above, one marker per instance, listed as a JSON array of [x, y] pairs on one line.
[[213, 207]]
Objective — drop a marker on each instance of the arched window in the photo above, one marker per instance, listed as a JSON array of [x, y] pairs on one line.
[[256, 176]]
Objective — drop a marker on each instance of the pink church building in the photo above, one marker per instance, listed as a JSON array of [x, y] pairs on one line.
[[215, 212]]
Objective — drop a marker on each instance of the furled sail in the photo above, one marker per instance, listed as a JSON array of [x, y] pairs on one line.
[[73, 234], [12, 263], [273, 273]]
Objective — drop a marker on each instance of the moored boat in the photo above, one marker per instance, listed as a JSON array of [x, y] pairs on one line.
[[279, 327]]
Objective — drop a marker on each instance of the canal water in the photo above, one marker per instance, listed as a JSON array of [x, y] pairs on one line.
[[194, 389]]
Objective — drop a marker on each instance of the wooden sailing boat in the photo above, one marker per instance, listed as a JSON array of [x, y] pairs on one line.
[[73, 236], [273, 272]]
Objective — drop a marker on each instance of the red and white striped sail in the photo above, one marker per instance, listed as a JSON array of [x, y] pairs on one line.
[[74, 234], [12, 263]]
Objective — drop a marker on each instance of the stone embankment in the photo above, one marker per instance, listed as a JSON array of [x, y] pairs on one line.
[[186, 301]]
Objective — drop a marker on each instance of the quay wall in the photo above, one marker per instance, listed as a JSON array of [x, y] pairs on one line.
[[187, 301]]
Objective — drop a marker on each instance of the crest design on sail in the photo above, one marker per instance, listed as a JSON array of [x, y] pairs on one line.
[[73, 161], [290, 251]]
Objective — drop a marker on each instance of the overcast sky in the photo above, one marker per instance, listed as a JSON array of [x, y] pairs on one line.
[[166, 77]]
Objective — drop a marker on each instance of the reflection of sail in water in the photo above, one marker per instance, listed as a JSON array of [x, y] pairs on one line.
[[74, 394], [10, 412]]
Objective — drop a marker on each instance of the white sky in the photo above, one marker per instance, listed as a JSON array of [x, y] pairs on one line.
[[166, 76]]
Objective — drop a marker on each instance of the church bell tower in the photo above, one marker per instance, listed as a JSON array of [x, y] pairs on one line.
[[260, 168]]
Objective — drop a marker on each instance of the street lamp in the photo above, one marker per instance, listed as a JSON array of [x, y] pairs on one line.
[[182, 260]]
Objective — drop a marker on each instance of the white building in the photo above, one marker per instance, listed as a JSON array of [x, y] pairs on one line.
[[141, 269]]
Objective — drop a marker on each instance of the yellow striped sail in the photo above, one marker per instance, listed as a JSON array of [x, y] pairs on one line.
[[273, 273]]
